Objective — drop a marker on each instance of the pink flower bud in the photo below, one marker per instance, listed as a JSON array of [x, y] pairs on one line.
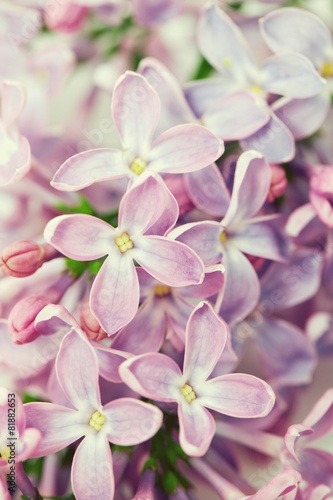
[[22, 318], [90, 324], [257, 262], [23, 258], [278, 183], [321, 194], [65, 17]]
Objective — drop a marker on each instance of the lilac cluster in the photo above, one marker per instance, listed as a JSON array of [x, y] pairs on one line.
[[166, 290]]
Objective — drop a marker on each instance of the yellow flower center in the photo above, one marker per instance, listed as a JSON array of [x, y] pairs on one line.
[[97, 420], [223, 237], [138, 166], [256, 88], [188, 393], [162, 290], [226, 62], [327, 69], [5, 454], [124, 242]]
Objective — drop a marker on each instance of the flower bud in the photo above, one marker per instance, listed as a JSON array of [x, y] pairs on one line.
[[278, 183], [66, 17], [321, 194], [22, 258], [146, 488], [21, 321], [90, 324]]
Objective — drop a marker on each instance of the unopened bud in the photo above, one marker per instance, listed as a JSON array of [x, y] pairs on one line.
[[278, 183], [66, 17], [22, 318], [90, 324], [22, 258]]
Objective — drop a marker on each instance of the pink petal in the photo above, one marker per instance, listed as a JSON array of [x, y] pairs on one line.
[[114, 296], [54, 318], [79, 236], [92, 473], [282, 483], [78, 380], [84, 169], [206, 335], [320, 418], [109, 361], [135, 111], [299, 219], [131, 422], [293, 434], [170, 262], [237, 115], [184, 148], [202, 94], [12, 101], [19, 162], [212, 283], [238, 395], [274, 140], [59, 426], [196, 428], [251, 186], [28, 443], [154, 376]]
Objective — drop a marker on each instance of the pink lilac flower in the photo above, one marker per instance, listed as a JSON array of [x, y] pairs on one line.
[[238, 232], [135, 110], [158, 377], [124, 421], [114, 297]]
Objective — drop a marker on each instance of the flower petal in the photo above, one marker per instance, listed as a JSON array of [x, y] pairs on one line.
[[206, 335], [84, 169], [80, 236], [154, 376], [184, 148], [170, 262], [130, 421], [92, 473], [59, 426], [54, 318], [135, 110], [196, 428], [109, 361], [238, 395], [78, 380], [284, 482], [114, 296], [12, 101]]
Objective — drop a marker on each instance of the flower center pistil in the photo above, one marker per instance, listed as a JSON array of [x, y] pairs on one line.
[[124, 242], [223, 237], [188, 393], [5, 454], [327, 69], [162, 290], [97, 420], [138, 165]]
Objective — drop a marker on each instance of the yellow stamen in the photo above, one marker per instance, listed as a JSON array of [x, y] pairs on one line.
[[226, 61], [138, 166], [223, 237], [188, 393], [5, 454], [327, 69], [162, 290], [256, 88], [124, 242], [97, 420]]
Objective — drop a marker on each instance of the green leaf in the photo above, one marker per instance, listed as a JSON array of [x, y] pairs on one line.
[[169, 482], [151, 463], [203, 70]]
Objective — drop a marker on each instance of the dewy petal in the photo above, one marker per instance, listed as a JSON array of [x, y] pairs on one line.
[[142, 205], [237, 115], [59, 426], [154, 376], [296, 30], [223, 45], [184, 148], [240, 279], [12, 101], [238, 395], [135, 110], [291, 75], [196, 428], [206, 335], [251, 186], [92, 473], [131, 422], [274, 140], [303, 117], [207, 190], [169, 261], [114, 296], [80, 236], [78, 380], [84, 169], [203, 237]]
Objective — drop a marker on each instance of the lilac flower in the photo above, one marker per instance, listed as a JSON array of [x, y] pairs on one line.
[[123, 421], [15, 158], [158, 377], [135, 110], [114, 296], [239, 231]]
